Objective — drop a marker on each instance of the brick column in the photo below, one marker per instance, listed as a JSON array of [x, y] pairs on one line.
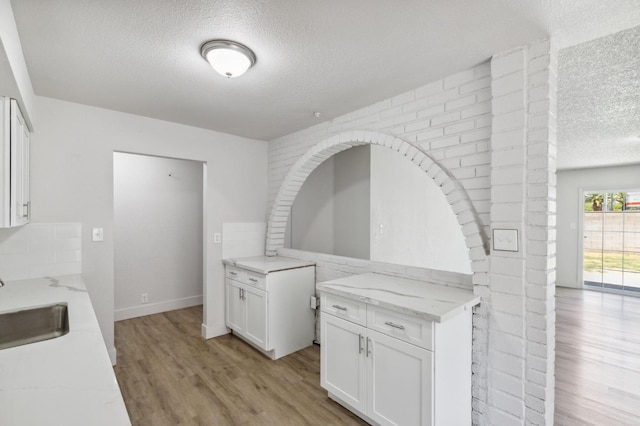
[[521, 285], [542, 75]]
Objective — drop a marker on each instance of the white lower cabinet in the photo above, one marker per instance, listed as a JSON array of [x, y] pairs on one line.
[[387, 380], [235, 306], [395, 368], [246, 312], [343, 365], [270, 309], [400, 379], [256, 316]]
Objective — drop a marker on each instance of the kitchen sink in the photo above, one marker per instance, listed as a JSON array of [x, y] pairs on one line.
[[32, 325]]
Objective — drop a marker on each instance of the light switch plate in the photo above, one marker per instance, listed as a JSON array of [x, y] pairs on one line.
[[505, 239]]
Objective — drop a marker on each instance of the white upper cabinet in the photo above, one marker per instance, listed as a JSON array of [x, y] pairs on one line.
[[15, 203]]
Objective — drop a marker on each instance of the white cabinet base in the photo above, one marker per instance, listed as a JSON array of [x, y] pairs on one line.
[[270, 309], [352, 409], [393, 361]]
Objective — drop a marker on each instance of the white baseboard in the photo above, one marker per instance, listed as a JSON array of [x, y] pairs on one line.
[[215, 330], [156, 308]]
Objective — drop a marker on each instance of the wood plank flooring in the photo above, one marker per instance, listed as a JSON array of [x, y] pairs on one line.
[[597, 358], [170, 376]]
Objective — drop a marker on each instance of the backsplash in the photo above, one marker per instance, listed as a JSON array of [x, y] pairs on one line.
[[243, 239], [40, 249]]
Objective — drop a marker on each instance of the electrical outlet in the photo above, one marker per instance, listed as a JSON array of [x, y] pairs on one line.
[[314, 302], [217, 238], [144, 298]]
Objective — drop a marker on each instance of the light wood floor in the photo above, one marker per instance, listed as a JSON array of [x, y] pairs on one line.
[[597, 358], [170, 376]]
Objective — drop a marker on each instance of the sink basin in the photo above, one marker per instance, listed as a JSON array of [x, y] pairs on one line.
[[33, 325]]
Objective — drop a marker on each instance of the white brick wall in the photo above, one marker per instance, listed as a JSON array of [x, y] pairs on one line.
[[487, 137], [540, 287], [449, 118], [521, 317]]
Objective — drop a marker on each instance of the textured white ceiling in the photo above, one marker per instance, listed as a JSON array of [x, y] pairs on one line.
[[142, 56], [599, 102]]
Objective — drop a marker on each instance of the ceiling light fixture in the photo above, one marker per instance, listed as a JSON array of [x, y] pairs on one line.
[[228, 58]]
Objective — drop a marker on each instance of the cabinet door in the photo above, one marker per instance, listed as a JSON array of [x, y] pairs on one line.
[[343, 367], [19, 167], [256, 316], [235, 306], [400, 381]]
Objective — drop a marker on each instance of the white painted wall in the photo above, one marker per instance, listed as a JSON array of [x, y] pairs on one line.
[[157, 234], [571, 184], [411, 221], [351, 191], [72, 181], [311, 221]]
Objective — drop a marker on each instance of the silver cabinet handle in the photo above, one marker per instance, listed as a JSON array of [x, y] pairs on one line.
[[398, 326], [253, 280], [341, 308], [27, 207], [368, 349], [360, 337], [233, 273]]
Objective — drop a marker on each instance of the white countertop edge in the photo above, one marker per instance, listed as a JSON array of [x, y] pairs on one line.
[[457, 306], [266, 264]]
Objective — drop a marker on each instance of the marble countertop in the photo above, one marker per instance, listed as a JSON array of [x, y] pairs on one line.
[[433, 302], [64, 381], [266, 264]]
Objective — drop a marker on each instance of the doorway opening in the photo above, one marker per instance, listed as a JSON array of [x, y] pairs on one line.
[[158, 234], [611, 241]]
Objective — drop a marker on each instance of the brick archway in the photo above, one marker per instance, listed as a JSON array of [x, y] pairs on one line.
[[466, 214]]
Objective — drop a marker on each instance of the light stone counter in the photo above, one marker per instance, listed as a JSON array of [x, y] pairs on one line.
[[424, 300], [266, 264], [64, 381]]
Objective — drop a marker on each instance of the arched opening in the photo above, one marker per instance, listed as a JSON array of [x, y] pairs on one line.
[[475, 236]]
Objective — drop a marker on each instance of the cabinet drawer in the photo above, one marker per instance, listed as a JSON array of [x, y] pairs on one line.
[[236, 274], [404, 327], [349, 309], [255, 279]]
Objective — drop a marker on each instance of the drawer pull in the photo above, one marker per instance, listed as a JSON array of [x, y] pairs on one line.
[[398, 326], [253, 280], [233, 273], [341, 308]]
